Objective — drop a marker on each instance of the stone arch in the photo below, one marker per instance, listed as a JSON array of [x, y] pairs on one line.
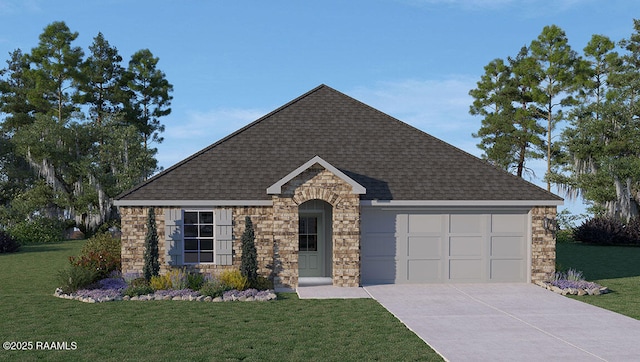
[[304, 194]]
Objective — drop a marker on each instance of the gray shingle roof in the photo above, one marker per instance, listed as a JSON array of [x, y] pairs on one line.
[[392, 160]]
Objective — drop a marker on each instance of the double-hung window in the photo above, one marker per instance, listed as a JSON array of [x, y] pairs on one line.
[[198, 237]]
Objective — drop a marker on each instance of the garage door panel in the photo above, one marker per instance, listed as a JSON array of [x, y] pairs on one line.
[[507, 223], [507, 270], [424, 271], [507, 246], [463, 223], [425, 223], [424, 247], [465, 246], [466, 269]]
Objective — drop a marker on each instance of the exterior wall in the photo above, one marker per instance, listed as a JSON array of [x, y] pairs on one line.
[[134, 230], [543, 243], [317, 183]]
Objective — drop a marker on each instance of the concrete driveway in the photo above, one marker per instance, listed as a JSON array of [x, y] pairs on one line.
[[510, 322]]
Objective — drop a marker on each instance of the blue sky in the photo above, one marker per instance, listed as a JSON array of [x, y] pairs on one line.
[[231, 62]]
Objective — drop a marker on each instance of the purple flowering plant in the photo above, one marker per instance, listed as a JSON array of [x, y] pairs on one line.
[[572, 279]]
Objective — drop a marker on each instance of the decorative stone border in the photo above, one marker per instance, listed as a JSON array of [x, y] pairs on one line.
[[572, 291], [268, 295]]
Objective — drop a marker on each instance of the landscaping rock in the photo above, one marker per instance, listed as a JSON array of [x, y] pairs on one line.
[[207, 298]]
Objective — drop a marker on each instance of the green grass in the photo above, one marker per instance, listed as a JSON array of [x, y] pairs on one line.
[[616, 267], [286, 329]]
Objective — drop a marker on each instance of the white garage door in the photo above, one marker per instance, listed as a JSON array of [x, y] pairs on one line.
[[443, 247]]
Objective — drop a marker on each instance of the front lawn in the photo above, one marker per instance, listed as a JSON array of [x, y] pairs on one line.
[[616, 267], [286, 329]]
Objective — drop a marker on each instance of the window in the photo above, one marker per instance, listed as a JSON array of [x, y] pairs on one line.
[[308, 233], [198, 237]]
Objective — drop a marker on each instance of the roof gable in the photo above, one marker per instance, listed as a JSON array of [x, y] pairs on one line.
[[389, 159], [276, 188]]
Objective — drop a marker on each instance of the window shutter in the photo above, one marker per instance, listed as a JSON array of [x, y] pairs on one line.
[[173, 236], [224, 236]]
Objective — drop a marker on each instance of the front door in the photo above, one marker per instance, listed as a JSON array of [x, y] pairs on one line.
[[311, 245]]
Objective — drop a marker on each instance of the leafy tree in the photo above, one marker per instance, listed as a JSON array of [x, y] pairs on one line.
[[52, 160], [249, 259], [151, 265]]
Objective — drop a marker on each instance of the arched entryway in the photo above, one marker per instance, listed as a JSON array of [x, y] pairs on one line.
[[315, 246]]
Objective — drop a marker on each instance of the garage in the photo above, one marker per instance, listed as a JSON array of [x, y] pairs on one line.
[[444, 246]]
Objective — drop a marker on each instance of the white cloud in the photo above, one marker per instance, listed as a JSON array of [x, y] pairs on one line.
[[438, 107], [213, 122]]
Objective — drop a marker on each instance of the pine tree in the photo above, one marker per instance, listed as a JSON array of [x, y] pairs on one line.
[[249, 260], [151, 265]]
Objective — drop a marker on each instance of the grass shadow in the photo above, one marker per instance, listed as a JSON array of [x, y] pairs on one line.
[[599, 262]]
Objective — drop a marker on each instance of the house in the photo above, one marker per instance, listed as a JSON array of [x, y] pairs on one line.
[[340, 191]]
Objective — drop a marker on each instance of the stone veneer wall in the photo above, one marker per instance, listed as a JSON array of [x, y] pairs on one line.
[[543, 244], [134, 230], [317, 183]]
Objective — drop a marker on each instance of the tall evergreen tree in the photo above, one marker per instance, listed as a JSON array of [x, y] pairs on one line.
[[151, 265], [510, 134], [557, 68], [249, 259]]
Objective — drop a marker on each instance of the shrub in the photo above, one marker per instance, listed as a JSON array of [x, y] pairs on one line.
[[160, 282], [234, 279], [249, 259], [262, 283], [7, 243], [100, 253], [564, 236], [175, 279], [609, 231], [39, 230], [75, 277], [136, 290], [151, 264], [572, 279], [214, 288], [138, 286], [195, 281], [601, 230]]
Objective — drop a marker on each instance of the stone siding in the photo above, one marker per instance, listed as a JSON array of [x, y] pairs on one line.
[[134, 230], [316, 183], [543, 243]]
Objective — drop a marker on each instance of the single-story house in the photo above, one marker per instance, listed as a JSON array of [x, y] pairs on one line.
[[343, 193]]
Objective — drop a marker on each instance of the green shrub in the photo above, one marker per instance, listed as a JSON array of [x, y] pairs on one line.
[[100, 253], [39, 230], [564, 236], [151, 265], [7, 243], [75, 277], [262, 283], [195, 281], [249, 259], [234, 279], [134, 291], [214, 288]]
